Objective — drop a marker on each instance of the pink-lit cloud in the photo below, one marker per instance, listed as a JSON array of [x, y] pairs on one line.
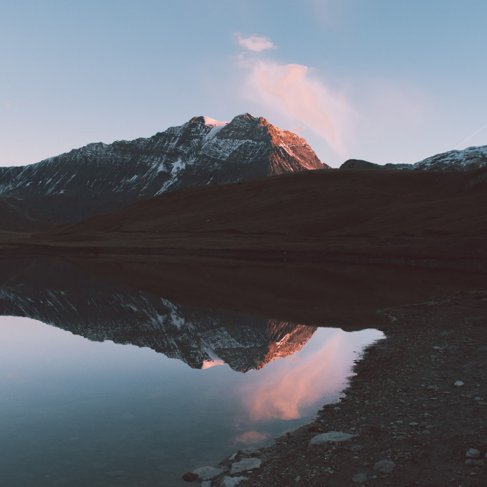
[[8, 105], [256, 43], [293, 91], [304, 385]]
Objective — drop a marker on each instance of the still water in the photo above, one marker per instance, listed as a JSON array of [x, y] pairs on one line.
[[135, 390]]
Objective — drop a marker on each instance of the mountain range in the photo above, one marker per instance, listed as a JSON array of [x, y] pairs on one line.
[[99, 178]]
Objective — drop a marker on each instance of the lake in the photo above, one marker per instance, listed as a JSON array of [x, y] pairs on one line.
[[105, 385]]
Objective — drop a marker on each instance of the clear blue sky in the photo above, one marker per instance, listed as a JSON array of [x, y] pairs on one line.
[[382, 80]]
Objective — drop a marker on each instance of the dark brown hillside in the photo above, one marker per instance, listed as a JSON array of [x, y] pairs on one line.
[[374, 213]]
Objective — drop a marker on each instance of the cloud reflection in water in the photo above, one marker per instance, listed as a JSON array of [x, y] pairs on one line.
[[300, 384]]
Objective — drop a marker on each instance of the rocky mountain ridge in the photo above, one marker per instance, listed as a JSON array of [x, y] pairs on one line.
[[99, 177]]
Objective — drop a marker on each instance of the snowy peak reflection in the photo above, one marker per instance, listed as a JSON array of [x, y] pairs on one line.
[[59, 294]]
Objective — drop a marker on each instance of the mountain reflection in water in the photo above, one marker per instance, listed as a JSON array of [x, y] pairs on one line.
[[79, 412], [61, 295]]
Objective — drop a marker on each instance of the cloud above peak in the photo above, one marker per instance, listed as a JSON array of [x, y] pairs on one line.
[[256, 43], [293, 91]]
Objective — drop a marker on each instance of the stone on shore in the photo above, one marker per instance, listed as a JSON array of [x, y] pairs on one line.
[[330, 437], [245, 465], [360, 478], [207, 473], [473, 453], [384, 466]]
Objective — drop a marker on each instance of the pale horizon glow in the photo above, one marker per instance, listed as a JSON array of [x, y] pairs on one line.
[[470, 136]]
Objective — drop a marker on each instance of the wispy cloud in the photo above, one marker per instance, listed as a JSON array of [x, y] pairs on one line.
[[8, 105], [296, 93], [256, 43]]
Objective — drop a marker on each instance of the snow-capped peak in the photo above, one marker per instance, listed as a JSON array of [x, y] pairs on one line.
[[212, 122]]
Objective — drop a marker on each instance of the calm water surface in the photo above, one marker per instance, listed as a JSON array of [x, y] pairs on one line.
[[76, 412], [131, 389]]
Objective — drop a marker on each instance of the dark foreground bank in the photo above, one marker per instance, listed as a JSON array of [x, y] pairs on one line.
[[416, 410]]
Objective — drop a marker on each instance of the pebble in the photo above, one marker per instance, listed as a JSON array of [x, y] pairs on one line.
[[472, 453], [384, 466], [245, 465], [231, 481], [458, 383], [207, 473], [360, 478], [330, 437], [206, 483], [356, 448]]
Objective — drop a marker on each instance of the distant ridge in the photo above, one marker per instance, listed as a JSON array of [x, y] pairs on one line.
[[454, 160], [99, 178]]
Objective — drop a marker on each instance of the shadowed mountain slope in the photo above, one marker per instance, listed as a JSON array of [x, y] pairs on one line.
[[16, 215]]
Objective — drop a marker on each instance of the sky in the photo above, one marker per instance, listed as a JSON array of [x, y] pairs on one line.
[[370, 79]]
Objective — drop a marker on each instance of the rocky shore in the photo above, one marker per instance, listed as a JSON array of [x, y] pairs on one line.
[[415, 413]]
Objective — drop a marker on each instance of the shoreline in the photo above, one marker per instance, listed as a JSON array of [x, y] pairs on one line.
[[401, 406]]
